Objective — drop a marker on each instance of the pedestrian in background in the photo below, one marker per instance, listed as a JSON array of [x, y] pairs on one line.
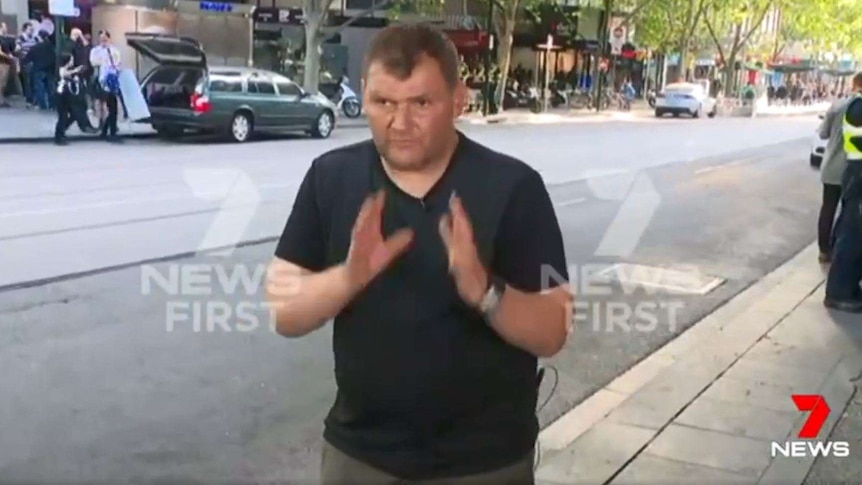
[[68, 89], [429, 250], [43, 66], [832, 170], [105, 59], [843, 290], [8, 64], [26, 40]]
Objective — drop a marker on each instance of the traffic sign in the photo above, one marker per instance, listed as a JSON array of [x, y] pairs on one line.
[[63, 8]]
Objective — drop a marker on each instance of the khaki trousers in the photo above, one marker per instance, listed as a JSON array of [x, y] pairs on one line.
[[339, 469], [5, 69]]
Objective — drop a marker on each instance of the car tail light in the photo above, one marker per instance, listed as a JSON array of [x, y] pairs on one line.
[[201, 103]]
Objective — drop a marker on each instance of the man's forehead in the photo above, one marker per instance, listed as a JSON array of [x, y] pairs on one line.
[[424, 78]]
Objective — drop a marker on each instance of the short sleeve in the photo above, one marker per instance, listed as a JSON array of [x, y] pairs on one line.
[[529, 251], [302, 242]]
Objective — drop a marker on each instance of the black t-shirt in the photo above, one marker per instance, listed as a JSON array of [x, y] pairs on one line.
[[7, 47], [426, 388]]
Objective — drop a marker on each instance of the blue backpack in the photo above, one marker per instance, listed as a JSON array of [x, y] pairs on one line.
[[112, 82]]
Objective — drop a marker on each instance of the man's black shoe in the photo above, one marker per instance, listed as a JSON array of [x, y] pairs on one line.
[[61, 142], [852, 306]]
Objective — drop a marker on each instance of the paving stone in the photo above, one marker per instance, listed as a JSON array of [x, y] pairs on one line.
[[805, 380], [731, 418], [647, 469], [794, 356], [655, 404], [744, 393], [737, 454], [596, 455], [639, 375]]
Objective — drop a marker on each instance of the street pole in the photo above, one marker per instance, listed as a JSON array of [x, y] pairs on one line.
[[486, 103], [603, 45], [59, 28], [546, 91]]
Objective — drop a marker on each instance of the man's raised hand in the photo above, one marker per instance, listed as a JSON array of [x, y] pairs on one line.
[[369, 252]]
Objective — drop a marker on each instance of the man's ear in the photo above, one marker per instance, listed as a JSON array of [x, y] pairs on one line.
[[461, 98]]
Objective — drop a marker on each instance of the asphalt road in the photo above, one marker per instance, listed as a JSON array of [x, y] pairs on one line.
[[114, 376]]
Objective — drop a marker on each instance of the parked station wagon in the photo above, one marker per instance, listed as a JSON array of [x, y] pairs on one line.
[[185, 94]]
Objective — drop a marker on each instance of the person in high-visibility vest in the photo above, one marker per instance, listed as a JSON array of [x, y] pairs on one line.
[[845, 275]]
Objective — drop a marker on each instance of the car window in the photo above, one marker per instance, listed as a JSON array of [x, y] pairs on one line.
[[226, 85], [260, 86], [287, 88]]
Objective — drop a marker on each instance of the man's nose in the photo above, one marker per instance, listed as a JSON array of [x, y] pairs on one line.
[[400, 117]]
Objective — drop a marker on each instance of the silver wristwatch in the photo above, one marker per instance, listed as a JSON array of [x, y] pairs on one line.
[[491, 301]]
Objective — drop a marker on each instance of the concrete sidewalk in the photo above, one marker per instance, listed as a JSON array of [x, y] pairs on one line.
[[639, 112], [706, 407]]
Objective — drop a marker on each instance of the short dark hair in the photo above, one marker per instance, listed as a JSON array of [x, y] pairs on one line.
[[857, 80], [400, 47]]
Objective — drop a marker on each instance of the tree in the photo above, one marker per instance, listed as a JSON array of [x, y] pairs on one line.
[[317, 30], [731, 25], [823, 25], [671, 26]]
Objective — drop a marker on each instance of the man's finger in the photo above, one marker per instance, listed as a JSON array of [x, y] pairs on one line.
[[461, 220], [377, 211], [364, 213], [446, 230]]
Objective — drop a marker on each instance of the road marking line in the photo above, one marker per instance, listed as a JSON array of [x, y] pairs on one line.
[[570, 202], [734, 163]]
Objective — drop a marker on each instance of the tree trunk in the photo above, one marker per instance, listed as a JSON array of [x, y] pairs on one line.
[[313, 41], [504, 52], [729, 74]]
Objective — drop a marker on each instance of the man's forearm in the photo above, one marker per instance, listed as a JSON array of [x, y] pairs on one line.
[[302, 303], [535, 322]]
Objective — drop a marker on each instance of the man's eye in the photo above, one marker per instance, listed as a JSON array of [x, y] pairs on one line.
[[422, 103]]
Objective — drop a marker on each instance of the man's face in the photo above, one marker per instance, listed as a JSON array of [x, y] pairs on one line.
[[103, 38], [28, 29], [409, 118]]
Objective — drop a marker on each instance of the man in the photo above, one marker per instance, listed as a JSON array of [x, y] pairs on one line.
[[429, 251], [8, 63], [26, 41], [832, 170], [845, 275], [43, 69]]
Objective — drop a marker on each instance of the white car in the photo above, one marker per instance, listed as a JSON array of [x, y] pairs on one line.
[[685, 98], [818, 148]]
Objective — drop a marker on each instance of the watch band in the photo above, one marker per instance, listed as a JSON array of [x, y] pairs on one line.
[[491, 301]]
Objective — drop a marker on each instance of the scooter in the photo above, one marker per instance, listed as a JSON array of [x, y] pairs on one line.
[[349, 103]]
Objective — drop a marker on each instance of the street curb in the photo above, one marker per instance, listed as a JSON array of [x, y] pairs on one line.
[[50, 139], [138, 136]]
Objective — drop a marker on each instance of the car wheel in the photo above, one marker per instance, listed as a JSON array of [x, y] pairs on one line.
[[659, 114], [712, 113], [241, 127], [696, 113], [323, 125]]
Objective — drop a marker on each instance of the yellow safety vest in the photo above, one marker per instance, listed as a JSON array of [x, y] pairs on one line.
[[850, 132]]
